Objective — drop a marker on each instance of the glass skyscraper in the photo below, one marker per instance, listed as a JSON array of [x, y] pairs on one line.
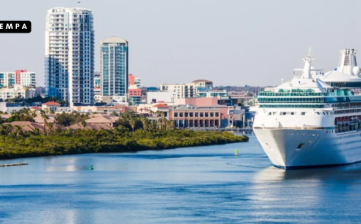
[[114, 67]]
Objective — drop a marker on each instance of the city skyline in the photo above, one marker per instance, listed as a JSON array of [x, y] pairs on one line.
[[229, 42]]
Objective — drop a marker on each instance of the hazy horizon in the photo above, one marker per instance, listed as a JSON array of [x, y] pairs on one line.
[[230, 42]]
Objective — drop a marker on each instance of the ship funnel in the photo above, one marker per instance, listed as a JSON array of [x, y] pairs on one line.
[[348, 63]]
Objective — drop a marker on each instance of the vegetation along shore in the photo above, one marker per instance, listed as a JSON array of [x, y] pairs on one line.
[[131, 134]]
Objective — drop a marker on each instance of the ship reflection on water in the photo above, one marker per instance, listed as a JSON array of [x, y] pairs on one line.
[[347, 172]]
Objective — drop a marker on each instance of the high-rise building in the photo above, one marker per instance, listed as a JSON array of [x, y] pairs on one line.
[[19, 77], [69, 55], [114, 67]]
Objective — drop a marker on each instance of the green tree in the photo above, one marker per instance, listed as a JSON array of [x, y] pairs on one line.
[[144, 121], [18, 130], [36, 131], [132, 123], [83, 124], [45, 117]]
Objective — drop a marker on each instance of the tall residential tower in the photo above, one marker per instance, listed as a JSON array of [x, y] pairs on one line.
[[69, 55], [114, 67]]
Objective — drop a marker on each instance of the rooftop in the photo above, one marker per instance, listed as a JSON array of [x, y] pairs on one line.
[[161, 105], [114, 40], [51, 103], [202, 80]]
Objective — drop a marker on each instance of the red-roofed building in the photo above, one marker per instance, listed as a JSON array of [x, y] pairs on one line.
[[51, 106], [35, 108], [161, 105]]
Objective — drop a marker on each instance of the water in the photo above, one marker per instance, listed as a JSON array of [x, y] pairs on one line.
[[189, 185]]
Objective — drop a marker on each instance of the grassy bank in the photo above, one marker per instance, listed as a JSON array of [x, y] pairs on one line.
[[116, 140]]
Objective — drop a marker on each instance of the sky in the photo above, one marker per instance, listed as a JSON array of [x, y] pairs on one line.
[[231, 42]]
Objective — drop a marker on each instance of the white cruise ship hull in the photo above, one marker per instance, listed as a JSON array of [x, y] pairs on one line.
[[300, 148]]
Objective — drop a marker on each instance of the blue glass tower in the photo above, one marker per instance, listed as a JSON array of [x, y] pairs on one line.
[[114, 67]]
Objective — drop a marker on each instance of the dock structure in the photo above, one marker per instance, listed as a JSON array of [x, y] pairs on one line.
[[13, 164]]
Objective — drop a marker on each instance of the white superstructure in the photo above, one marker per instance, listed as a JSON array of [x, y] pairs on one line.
[[69, 55], [188, 90], [314, 119]]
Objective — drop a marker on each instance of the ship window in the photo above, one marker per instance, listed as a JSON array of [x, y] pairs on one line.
[[269, 113], [300, 145], [303, 113], [292, 113]]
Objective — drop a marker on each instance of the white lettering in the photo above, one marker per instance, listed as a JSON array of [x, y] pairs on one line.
[[24, 27], [17, 25], [9, 26], [1, 26]]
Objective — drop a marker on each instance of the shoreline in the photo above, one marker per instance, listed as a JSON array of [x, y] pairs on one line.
[[91, 142], [135, 151]]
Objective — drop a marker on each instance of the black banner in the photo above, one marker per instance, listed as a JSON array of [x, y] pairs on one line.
[[15, 27]]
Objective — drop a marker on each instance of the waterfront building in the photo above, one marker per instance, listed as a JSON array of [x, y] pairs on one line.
[[19, 77], [151, 89], [97, 91], [186, 90], [134, 81], [69, 55], [114, 67], [134, 90], [187, 115], [9, 107], [15, 92], [195, 117], [198, 101], [161, 97], [104, 109], [51, 106]]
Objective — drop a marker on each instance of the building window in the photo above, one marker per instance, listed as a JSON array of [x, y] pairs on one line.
[[217, 114], [196, 114], [186, 114], [201, 114], [206, 114], [191, 114], [181, 114], [176, 114]]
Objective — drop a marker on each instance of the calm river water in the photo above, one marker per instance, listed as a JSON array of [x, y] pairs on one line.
[[188, 185]]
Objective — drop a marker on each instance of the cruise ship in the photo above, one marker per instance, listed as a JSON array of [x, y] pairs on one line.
[[314, 119]]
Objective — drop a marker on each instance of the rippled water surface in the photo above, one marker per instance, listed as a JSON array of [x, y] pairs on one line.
[[188, 185]]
